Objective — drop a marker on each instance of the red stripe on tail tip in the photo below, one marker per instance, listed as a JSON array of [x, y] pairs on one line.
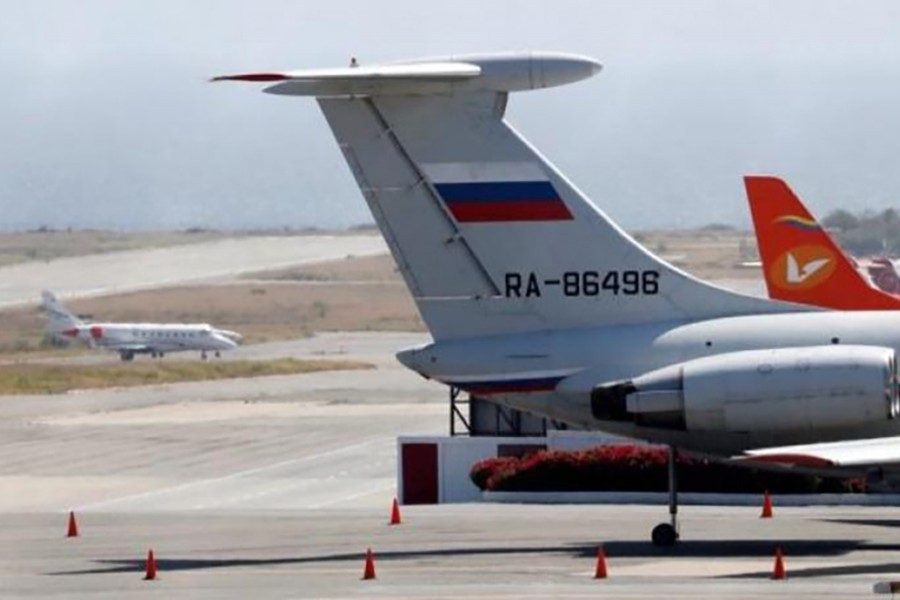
[[253, 77]]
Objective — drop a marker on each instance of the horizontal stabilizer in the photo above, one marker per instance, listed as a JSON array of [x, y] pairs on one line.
[[436, 71], [448, 75]]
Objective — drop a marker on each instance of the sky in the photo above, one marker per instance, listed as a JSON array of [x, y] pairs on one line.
[[107, 119]]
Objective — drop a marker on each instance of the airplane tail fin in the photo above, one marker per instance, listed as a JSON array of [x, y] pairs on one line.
[[490, 237], [801, 262], [60, 317]]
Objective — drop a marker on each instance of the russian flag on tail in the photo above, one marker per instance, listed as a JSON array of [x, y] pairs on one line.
[[497, 192]]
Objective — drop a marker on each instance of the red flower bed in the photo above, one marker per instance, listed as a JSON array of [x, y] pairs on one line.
[[639, 469]]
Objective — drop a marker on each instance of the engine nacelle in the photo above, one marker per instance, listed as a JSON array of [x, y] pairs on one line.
[[776, 390]]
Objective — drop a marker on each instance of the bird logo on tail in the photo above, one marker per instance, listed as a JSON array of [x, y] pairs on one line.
[[803, 267]]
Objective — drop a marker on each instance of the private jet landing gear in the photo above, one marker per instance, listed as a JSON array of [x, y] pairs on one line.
[[218, 354], [666, 534], [126, 356], [203, 355]]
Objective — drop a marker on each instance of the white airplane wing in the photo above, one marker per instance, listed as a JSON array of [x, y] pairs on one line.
[[876, 452]]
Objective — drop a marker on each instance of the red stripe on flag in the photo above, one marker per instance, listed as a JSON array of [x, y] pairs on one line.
[[492, 212]]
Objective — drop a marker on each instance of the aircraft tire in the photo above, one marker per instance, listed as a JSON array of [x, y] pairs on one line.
[[664, 535]]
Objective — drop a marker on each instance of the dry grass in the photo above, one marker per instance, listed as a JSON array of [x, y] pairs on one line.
[[705, 254], [359, 294], [356, 269], [266, 311], [31, 378]]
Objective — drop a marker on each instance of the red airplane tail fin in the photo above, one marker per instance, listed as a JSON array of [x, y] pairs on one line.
[[801, 262]]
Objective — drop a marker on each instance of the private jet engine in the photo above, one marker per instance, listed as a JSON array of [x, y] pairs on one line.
[[784, 389]]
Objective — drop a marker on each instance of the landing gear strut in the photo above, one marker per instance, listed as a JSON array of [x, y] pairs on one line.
[[666, 534], [203, 355]]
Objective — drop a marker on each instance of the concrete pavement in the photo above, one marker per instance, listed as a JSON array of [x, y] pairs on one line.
[[274, 488]]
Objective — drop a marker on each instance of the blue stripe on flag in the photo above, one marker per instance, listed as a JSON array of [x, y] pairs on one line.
[[501, 191]]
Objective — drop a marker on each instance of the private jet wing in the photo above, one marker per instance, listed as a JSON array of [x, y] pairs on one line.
[[879, 452], [136, 348]]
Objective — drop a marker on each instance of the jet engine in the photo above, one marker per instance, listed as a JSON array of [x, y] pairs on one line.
[[783, 389]]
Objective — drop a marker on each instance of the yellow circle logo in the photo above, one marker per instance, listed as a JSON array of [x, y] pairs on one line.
[[802, 267]]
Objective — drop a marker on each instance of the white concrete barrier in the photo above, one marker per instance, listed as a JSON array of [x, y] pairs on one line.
[[435, 469]]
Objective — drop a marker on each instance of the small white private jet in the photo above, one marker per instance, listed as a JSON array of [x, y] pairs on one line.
[[538, 301], [129, 339]]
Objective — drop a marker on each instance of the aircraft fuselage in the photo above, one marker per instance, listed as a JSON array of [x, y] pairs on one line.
[[538, 369]]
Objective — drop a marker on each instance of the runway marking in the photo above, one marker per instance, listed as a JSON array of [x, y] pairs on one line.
[[219, 503], [349, 497], [231, 476]]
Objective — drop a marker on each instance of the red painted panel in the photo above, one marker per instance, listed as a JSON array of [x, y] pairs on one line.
[[420, 473]]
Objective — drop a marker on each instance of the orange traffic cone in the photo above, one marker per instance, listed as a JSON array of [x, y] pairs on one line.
[[369, 570], [600, 572], [150, 572], [767, 506], [73, 525], [395, 513], [778, 572]]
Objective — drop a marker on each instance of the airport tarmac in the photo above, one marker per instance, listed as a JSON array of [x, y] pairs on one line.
[[450, 551], [117, 272], [274, 488]]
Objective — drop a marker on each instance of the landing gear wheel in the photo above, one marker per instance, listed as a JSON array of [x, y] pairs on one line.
[[203, 355], [218, 354], [664, 535]]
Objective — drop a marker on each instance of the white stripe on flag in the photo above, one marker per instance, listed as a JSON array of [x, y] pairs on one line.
[[483, 172]]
